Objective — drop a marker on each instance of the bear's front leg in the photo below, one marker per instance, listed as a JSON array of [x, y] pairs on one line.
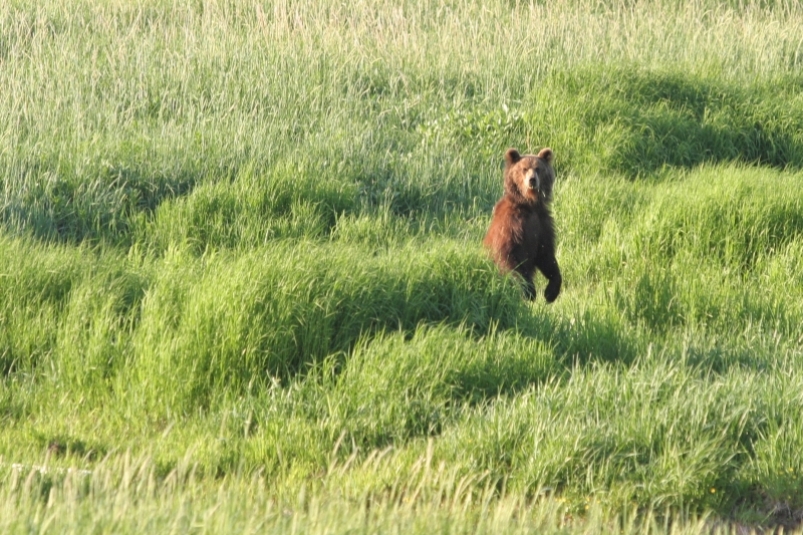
[[551, 271]]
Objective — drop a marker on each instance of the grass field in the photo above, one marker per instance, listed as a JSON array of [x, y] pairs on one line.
[[242, 287]]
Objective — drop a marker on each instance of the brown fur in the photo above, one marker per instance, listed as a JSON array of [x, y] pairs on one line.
[[522, 233]]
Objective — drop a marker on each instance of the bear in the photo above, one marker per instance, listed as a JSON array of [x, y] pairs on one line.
[[521, 237]]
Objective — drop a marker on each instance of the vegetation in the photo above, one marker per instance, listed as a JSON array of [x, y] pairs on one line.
[[242, 287]]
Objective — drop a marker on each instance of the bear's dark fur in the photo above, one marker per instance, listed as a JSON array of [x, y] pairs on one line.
[[522, 233]]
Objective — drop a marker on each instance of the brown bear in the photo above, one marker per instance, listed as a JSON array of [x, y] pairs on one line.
[[522, 233]]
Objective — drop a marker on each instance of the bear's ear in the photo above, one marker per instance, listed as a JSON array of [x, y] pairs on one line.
[[546, 155], [512, 156]]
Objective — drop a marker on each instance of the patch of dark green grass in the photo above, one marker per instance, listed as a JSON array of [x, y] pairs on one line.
[[641, 121]]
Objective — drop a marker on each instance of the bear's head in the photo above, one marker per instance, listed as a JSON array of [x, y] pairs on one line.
[[529, 178]]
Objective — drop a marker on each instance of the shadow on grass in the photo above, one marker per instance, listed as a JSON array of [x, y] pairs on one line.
[[637, 121], [55, 202], [407, 384]]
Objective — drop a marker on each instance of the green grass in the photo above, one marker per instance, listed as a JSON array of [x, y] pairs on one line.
[[242, 287]]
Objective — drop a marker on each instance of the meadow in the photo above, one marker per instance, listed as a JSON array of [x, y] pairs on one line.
[[242, 287]]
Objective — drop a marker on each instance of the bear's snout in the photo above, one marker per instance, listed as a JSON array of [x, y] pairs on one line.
[[533, 182]]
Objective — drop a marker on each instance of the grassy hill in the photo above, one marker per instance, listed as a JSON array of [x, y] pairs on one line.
[[242, 287]]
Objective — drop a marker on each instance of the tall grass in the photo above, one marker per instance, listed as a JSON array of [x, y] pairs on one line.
[[240, 264], [111, 109], [128, 496]]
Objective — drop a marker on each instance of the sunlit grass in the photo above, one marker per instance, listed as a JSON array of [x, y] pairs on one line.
[[128, 495]]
